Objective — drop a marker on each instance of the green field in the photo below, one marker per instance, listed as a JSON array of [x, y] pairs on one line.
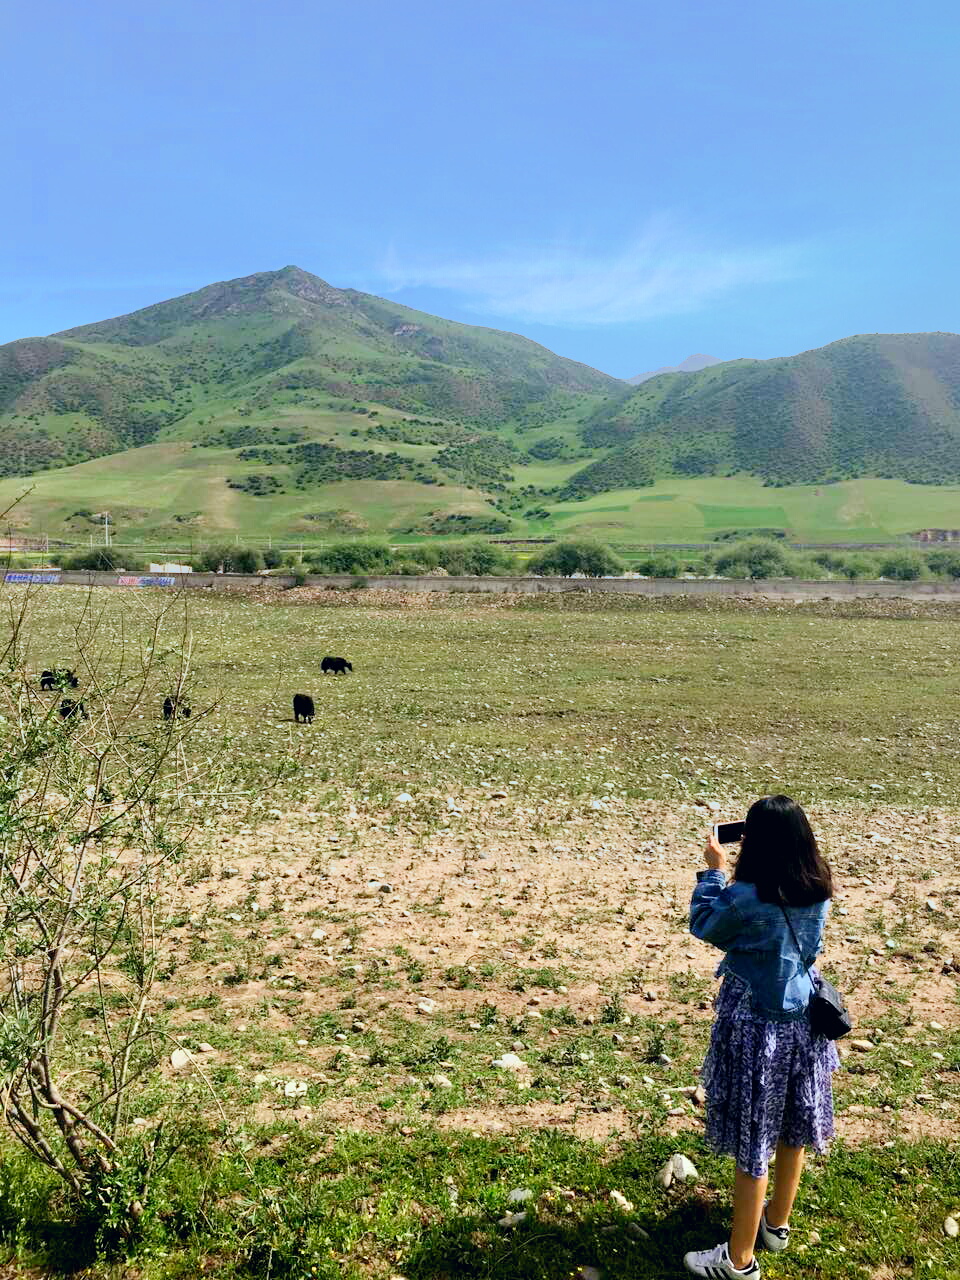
[[171, 492], [558, 756]]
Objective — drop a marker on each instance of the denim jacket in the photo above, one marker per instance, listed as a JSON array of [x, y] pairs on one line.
[[758, 944]]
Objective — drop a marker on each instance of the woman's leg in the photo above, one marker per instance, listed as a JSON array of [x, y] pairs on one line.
[[786, 1180], [748, 1194]]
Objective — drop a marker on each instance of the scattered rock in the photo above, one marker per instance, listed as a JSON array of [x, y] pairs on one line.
[[588, 1273], [295, 1088], [621, 1201], [512, 1219], [404, 798], [180, 1058], [509, 1062], [520, 1195], [677, 1169], [951, 1227], [426, 1006], [861, 1046], [441, 1082]]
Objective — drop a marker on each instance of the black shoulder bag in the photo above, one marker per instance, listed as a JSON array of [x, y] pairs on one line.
[[827, 1013]]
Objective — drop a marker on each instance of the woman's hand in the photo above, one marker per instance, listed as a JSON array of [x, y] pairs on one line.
[[714, 856]]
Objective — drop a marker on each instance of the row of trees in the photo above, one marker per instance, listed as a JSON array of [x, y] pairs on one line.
[[756, 557]]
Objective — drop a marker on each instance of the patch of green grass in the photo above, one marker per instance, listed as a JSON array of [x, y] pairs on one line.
[[428, 1206]]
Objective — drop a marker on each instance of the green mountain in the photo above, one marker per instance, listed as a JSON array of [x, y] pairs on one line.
[[279, 404], [268, 340], [884, 405]]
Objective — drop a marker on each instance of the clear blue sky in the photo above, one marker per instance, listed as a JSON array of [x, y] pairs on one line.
[[622, 180]]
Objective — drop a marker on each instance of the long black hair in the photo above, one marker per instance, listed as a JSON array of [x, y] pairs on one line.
[[779, 855]]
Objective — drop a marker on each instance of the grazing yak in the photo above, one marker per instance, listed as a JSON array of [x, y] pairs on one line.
[[58, 678], [175, 707], [72, 707], [339, 666], [303, 708]]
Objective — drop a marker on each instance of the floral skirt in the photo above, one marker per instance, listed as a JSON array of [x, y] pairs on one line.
[[766, 1082]]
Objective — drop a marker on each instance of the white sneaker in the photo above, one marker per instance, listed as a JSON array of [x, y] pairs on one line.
[[775, 1239], [715, 1264]]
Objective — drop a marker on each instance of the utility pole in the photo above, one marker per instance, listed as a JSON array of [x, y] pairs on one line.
[[106, 528]]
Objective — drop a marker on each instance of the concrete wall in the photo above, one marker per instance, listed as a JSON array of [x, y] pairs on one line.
[[783, 589]]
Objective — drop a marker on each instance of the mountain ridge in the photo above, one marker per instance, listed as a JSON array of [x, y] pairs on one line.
[[281, 386]]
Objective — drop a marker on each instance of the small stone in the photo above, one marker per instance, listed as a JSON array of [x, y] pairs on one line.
[[588, 1273], [621, 1201], [634, 1229], [951, 1227], [318, 935], [512, 1219], [813, 1237], [623, 1082], [520, 1195], [509, 1062], [441, 1082], [404, 798], [498, 795], [861, 1046], [426, 1006], [295, 1088], [677, 1169], [180, 1058], [936, 1026]]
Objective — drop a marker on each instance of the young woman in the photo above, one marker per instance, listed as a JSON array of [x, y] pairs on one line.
[[767, 1077]]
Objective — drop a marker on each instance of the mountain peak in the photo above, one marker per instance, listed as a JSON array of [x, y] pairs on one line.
[[288, 291], [692, 364]]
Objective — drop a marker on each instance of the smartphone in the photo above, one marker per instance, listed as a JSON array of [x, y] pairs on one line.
[[728, 832]]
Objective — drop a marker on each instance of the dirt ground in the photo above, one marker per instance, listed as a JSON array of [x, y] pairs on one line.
[[602, 901]]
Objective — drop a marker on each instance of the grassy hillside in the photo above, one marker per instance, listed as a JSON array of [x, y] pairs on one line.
[[172, 493], [881, 404], [279, 403], [252, 346]]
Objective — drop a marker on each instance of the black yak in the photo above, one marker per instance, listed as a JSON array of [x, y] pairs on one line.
[[339, 666], [175, 707], [72, 707], [303, 708], [58, 678]]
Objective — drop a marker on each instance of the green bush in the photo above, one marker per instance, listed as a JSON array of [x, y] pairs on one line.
[[945, 562], [755, 558], [232, 559], [563, 559], [660, 564], [903, 566], [476, 559], [105, 560], [357, 555], [860, 566]]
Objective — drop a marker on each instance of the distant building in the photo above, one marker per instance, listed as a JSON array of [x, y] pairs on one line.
[[171, 568]]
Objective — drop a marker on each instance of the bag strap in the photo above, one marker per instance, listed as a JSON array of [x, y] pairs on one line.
[[796, 940]]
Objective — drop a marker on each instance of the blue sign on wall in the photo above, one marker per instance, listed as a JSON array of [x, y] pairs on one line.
[[154, 580], [31, 578]]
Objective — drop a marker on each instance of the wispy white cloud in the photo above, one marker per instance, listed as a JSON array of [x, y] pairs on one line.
[[664, 270]]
